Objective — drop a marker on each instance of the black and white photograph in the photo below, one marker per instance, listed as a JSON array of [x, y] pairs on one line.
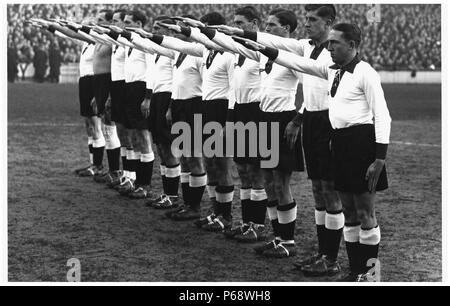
[[208, 143]]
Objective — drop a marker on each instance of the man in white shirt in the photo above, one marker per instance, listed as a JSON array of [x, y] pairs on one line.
[[186, 102], [118, 101], [278, 90], [85, 83], [141, 158], [246, 96], [361, 128], [217, 76], [316, 136]]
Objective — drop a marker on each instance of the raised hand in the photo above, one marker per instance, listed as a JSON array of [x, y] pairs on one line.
[[172, 27], [230, 30], [250, 44], [191, 22], [142, 32]]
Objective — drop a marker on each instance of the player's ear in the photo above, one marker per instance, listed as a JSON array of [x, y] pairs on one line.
[[139, 23]]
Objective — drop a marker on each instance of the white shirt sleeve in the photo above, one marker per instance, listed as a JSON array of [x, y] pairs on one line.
[[102, 38], [151, 47], [282, 43], [125, 42], [302, 64], [230, 71], [201, 38], [179, 45], [371, 85], [232, 46]]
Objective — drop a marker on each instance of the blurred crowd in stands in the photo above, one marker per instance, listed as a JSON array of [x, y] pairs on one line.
[[401, 37]]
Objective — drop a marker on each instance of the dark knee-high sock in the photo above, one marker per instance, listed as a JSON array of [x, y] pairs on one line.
[[197, 185], [173, 179], [98, 147], [320, 216], [185, 190], [146, 164], [258, 206], [287, 215], [273, 217], [351, 237], [245, 195], [334, 224], [369, 240], [224, 196], [112, 148]]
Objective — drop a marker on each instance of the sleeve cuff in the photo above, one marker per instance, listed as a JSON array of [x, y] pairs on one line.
[[230, 115], [381, 150], [51, 29], [113, 35], [85, 29], [251, 35], [73, 28], [157, 39], [186, 31], [210, 33], [271, 53], [148, 93], [298, 119], [126, 35]]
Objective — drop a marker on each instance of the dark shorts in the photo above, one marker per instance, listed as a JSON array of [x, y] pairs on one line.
[[316, 145], [215, 111], [353, 152], [102, 89], [135, 95], [184, 111], [158, 123], [118, 102], [289, 160], [86, 94], [246, 113]]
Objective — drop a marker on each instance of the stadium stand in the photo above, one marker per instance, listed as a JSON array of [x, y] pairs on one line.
[[407, 37]]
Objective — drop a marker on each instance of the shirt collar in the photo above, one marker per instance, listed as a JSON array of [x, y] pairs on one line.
[[350, 67], [316, 44]]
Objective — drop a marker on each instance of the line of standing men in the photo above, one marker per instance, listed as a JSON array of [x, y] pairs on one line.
[[184, 67]]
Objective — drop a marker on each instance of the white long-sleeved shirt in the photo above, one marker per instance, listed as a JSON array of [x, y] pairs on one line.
[[359, 98], [161, 73], [87, 60], [246, 81], [187, 77], [118, 63], [315, 89], [135, 65], [278, 88], [217, 79]]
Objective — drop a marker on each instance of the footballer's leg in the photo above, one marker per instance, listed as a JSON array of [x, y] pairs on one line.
[[257, 206], [287, 216], [352, 230], [369, 236], [144, 166], [272, 205], [224, 196], [245, 196]]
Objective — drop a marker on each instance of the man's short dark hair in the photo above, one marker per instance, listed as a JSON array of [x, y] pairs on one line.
[[138, 16], [213, 18], [350, 32], [285, 17], [108, 14], [249, 12], [122, 13], [323, 10], [164, 19]]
